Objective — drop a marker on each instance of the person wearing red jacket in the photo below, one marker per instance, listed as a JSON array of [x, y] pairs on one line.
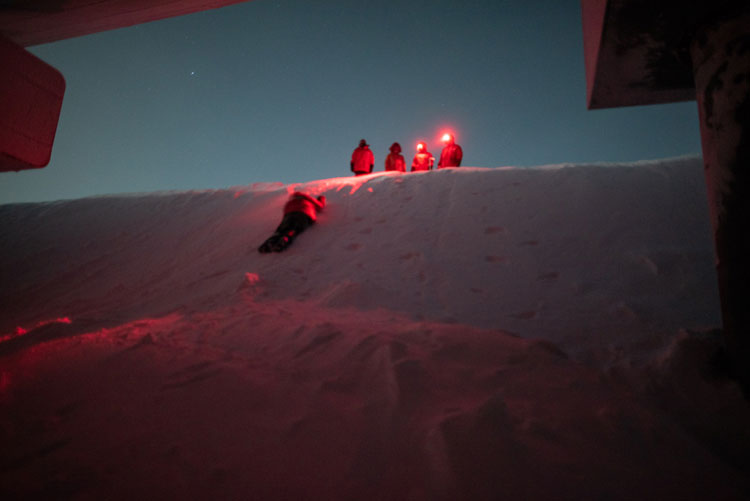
[[395, 161], [362, 159], [423, 160], [300, 212], [452, 154]]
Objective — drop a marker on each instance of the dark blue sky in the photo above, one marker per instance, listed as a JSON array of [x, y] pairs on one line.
[[282, 90]]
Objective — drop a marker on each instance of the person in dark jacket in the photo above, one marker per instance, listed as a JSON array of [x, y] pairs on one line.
[[395, 160], [423, 160], [362, 159], [300, 212], [452, 153]]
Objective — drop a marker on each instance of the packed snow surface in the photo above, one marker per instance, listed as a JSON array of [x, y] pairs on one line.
[[472, 333]]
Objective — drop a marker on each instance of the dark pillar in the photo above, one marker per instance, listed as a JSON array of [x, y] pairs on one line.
[[721, 64]]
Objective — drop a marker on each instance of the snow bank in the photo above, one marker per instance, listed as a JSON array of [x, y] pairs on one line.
[[467, 333]]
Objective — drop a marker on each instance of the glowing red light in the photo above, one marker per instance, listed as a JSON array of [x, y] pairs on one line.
[[447, 137], [420, 146]]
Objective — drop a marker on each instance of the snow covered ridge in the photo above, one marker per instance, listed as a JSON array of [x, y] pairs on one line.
[[532, 251], [469, 333]]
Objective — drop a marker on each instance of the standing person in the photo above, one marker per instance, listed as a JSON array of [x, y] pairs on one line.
[[300, 212], [452, 153], [423, 160], [395, 160], [362, 159]]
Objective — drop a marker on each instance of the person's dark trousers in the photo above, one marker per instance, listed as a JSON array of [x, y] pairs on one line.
[[292, 225]]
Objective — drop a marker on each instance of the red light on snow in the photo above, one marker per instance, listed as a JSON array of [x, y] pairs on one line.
[[4, 381], [22, 331]]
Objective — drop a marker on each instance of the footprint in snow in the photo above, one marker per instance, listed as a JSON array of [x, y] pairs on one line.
[[191, 375], [496, 259], [548, 277], [409, 255], [525, 315], [320, 342]]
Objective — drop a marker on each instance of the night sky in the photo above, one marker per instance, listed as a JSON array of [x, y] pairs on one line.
[[283, 90]]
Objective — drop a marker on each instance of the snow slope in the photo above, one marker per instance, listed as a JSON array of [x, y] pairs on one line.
[[462, 334]]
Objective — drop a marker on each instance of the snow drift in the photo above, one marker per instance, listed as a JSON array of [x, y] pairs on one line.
[[460, 334]]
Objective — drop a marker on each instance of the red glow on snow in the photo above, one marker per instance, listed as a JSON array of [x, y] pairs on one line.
[[21, 331], [4, 381], [354, 184]]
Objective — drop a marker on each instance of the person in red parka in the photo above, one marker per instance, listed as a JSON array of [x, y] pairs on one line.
[[395, 161], [300, 212], [423, 160], [362, 159], [452, 153]]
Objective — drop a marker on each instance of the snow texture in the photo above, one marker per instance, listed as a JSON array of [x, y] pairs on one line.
[[472, 333]]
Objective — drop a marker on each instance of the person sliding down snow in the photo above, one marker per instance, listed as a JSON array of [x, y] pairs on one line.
[[452, 153], [423, 160], [300, 212]]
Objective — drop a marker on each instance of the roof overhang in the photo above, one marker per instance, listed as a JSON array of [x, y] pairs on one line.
[[31, 91], [32, 22]]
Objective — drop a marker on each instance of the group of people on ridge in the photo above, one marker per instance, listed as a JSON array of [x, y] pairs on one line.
[[363, 161], [301, 210]]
